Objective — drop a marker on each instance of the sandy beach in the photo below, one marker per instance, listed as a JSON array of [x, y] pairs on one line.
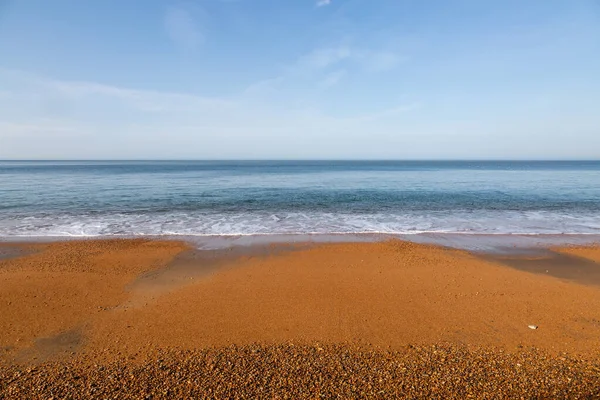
[[146, 319]]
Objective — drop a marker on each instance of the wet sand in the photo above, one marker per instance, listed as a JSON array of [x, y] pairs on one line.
[[567, 264], [420, 316], [8, 250]]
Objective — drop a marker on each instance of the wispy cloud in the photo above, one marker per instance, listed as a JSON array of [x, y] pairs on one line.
[[41, 127], [333, 78], [182, 27], [380, 61], [387, 113], [324, 57], [153, 123], [263, 87], [327, 66], [143, 100], [370, 60], [323, 3]]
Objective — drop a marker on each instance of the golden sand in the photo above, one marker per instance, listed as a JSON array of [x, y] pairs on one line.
[[95, 302]]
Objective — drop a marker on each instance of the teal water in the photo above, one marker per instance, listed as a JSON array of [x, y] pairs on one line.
[[210, 198]]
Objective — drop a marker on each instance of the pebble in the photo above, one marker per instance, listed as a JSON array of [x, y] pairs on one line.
[[303, 371]]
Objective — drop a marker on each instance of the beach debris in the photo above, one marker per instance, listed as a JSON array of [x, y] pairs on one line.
[[534, 327]]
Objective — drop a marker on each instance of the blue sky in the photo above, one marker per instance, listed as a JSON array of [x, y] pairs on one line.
[[303, 79]]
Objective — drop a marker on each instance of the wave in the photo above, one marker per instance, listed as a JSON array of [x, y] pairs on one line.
[[301, 223]]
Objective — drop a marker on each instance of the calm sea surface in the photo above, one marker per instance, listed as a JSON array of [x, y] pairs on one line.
[[203, 198]]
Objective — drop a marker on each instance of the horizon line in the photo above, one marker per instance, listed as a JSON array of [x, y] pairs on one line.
[[301, 160]]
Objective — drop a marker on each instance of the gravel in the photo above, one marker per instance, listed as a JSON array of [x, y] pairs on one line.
[[295, 372]]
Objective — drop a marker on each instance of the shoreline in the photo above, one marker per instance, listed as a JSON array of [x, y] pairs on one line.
[[127, 303], [473, 242]]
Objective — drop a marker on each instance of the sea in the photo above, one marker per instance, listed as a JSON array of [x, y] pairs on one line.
[[224, 202]]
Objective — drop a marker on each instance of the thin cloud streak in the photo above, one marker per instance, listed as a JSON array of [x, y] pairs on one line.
[[234, 127], [160, 110], [324, 57], [333, 78]]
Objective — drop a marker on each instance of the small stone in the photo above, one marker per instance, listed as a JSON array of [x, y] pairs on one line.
[[534, 327]]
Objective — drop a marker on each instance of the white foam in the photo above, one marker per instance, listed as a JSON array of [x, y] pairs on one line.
[[240, 224]]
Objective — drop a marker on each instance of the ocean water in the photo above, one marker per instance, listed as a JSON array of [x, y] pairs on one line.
[[210, 198]]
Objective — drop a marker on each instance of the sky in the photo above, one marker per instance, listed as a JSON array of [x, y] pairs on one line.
[[300, 79]]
